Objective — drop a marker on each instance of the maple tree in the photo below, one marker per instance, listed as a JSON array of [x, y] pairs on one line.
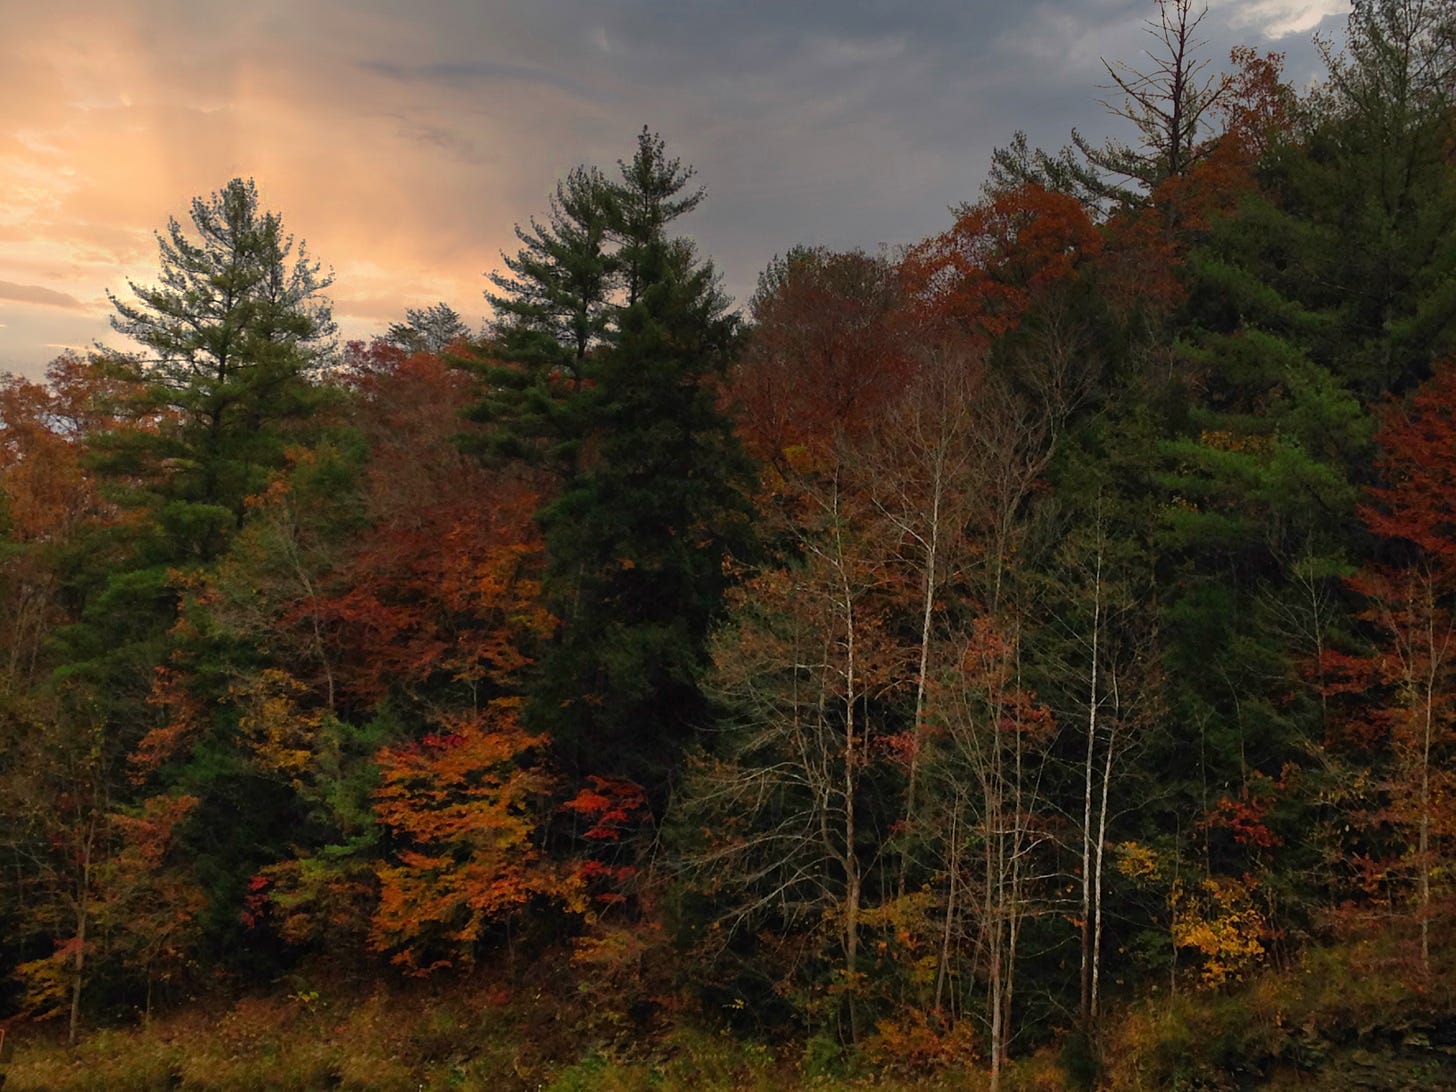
[[56, 803], [150, 901], [461, 809], [827, 352], [48, 501], [409, 575], [444, 585], [985, 273], [1402, 689]]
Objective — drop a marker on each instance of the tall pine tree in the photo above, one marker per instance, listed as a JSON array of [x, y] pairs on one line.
[[617, 372]]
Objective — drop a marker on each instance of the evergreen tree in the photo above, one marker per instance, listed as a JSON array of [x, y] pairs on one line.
[[552, 309], [430, 329], [1379, 187], [230, 339], [637, 540], [614, 335]]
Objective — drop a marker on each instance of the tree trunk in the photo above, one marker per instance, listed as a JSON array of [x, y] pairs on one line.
[[1088, 938]]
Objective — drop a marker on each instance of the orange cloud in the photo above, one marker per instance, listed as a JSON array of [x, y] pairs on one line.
[[34, 293], [119, 116]]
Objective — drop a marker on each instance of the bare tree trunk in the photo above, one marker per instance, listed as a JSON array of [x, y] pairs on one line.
[[1097, 867], [1088, 939], [948, 922], [83, 915], [927, 608], [1423, 847]]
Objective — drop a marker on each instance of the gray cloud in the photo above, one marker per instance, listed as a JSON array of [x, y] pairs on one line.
[[466, 76], [404, 139], [34, 293]]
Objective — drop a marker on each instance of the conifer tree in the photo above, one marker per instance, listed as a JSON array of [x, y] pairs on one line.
[[636, 541], [614, 335]]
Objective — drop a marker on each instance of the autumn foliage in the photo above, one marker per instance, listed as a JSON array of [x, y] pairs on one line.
[[461, 808], [965, 647]]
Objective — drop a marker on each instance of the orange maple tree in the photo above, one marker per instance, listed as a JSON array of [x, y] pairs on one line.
[[985, 273], [462, 809]]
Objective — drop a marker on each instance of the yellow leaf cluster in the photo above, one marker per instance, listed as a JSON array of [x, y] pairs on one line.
[[281, 734], [1220, 920]]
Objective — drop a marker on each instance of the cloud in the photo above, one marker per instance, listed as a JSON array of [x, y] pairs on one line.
[[468, 75], [403, 141], [34, 293], [1281, 18]]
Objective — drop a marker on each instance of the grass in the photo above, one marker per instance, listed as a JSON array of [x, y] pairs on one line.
[[417, 1037], [1348, 1009]]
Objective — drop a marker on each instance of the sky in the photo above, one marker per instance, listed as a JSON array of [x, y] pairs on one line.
[[404, 139]]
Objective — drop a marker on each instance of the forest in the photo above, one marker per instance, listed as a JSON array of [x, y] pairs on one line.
[[1025, 659]]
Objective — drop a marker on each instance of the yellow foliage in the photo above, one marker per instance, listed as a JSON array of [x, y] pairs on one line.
[[1136, 861], [48, 983], [281, 734], [1220, 921], [1224, 440], [922, 1042]]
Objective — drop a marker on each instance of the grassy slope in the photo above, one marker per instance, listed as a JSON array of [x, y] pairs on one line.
[[1345, 1019]]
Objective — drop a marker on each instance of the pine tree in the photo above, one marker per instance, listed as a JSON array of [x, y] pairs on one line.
[[553, 307], [614, 336], [230, 340]]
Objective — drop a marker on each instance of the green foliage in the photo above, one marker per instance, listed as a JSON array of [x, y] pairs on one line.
[[1090, 633], [230, 336], [638, 539], [432, 329], [614, 336], [231, 340]]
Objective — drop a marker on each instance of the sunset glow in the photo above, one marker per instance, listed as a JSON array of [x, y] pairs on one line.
[[403, 146]]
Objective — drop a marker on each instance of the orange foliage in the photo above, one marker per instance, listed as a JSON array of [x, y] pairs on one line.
[[150, 903], [47, 498], [462, 809], [985, 273], [446, 581], [184, 714], [916, 1042], [1146, 246]]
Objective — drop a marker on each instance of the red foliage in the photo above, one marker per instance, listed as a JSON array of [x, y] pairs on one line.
[[1258, 106], [829, 350], [611, 805], [1418, 469], [446, 579], [985, 273], [1398, 700], [1244, 818], [256, 901], [614, 808]]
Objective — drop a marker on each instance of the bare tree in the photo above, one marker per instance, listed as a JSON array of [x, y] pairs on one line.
[[1170, 102], [799, 670]]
